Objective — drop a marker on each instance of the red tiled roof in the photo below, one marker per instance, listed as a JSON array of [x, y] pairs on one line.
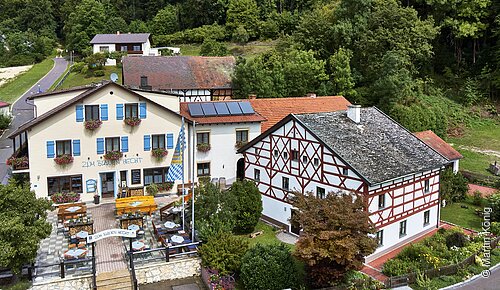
[[276, 109], [438, 144], [179, 72], [4, 104], [220, 119]]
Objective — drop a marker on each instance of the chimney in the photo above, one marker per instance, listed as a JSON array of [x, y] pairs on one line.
[[252, 96], [118, 33], [354, 113], [144, 83], [311, 95]]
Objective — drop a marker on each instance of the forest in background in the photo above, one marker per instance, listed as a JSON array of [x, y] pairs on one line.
[[426, 63]]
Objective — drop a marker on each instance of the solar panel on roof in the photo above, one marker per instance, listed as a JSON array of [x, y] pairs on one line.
[[234, 108], [208, 109], [195, 110], [246, 108], [221, 108]]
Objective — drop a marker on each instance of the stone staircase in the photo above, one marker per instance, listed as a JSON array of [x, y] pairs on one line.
[[114, 280]]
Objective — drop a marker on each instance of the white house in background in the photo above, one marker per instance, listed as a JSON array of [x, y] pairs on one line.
[[4, 109], [359, 150], [132, 43], [222, 128], [59, 129], [440, 146]]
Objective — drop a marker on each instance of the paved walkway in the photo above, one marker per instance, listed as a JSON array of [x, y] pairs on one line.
[[485, 191], [110, 252], [23, 112], [287, 238]]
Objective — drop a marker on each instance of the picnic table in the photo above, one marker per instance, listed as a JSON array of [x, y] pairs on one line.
[[138, 246], [143, 204], [75, 253], [71, 210], [82, 234], [133, 227]]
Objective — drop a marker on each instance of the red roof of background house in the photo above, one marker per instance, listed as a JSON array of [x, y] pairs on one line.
[[277, 108], [184, 111], [179, 72], [4, 104], [438, 144]]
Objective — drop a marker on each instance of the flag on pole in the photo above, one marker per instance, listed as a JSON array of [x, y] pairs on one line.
[[175, 172]]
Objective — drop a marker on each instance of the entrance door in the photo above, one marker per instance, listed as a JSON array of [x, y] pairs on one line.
[[108, 184], [295, 226], [240, 169]]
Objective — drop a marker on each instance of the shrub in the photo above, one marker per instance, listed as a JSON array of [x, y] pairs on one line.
[[397, 267], [212, 47], [240, 35], [152, 189], [268, 267], [4, 121], [494, 203], [77, 67], [495, 228], [477, 199], [223, 253], [248, 206], [195, 35], [99, 73], [65, 197], [210, 227], [454, 187], [357, 280]]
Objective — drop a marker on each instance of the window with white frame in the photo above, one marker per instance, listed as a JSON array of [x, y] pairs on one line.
[[305, 159], [427, 216], [256, 174], [112, 144], [104, 48], [402, 229], [131, 110], [345, 171], [63, 147], [158, 141], [380, 238], [202, 138], [381, 201], [203, 169], [316, 161], [91, 112], [427, 186], [285, 183], [320, 192], [295, 155], [242, 136]]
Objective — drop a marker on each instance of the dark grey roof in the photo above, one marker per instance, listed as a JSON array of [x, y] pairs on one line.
[[120, 38], [378, 148]]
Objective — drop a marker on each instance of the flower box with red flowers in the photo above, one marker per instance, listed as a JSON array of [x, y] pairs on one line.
[[240, 144], [113, 155], [64, 159], [92, 124], [132, 121], [203, 147], [159, 153], [18, 162]]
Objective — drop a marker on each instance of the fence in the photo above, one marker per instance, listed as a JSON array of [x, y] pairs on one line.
[[433, 273], [61, 81], [481, 179]]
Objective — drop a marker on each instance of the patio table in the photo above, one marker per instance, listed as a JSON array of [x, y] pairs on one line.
[[177, 239], [82, 234], [75, 253], [133, 227], [138, 246], [170, 225], [73, 208]]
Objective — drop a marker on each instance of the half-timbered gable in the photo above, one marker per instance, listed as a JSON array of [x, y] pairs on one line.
[[363, 151]]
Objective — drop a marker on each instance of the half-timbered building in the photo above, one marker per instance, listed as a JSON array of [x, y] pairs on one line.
[[360, 150]]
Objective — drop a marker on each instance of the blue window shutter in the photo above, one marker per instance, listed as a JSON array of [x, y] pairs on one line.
[[76, 147], [104, 112], [119, 111], [142, 111], [170, 141], [50, 149], [100, 145], [147, 142], [79, 113], [124, 144]]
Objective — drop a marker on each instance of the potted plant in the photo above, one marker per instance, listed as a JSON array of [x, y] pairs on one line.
[[96, 198], [240, 144], [132, 121], [113, 155], [92, 124], [203, 147], [159, 153], [64, 159], [18, 162]]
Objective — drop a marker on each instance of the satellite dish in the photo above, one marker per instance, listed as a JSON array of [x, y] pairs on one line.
[[113, 77]]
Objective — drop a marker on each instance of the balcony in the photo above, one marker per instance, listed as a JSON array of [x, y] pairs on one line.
[[19, 161]]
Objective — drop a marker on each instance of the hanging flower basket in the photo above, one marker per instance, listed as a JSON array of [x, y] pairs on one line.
[[159, 153], [18, 162], [92, 124], [203, 147], [132, 121], [113, 155], [240, 144], [64, 159]]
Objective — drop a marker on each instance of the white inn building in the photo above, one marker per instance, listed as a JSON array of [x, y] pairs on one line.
[[359, 150]]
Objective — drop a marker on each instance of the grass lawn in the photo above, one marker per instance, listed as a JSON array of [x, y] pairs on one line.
[[268, 237], [465, 217], [77, 79], [483, 134], [12, 90]]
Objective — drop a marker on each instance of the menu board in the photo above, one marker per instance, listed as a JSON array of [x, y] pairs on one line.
[[136, 176]]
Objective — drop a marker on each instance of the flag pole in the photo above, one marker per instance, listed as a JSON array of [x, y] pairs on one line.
[[183, 191], [192, 183]]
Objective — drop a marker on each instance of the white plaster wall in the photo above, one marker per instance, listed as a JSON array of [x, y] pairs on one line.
[[63, 126], [47, 103], [276, 209], [222, 155], [169, 101]]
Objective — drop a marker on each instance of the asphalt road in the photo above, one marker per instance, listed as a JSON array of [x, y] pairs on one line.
[[23, 112], [490, 283]]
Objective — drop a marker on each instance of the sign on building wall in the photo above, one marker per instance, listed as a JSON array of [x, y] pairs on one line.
[[111, 233], [91, 185]]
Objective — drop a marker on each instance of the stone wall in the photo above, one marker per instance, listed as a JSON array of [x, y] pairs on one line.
[[175, 269], [84, 282]]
